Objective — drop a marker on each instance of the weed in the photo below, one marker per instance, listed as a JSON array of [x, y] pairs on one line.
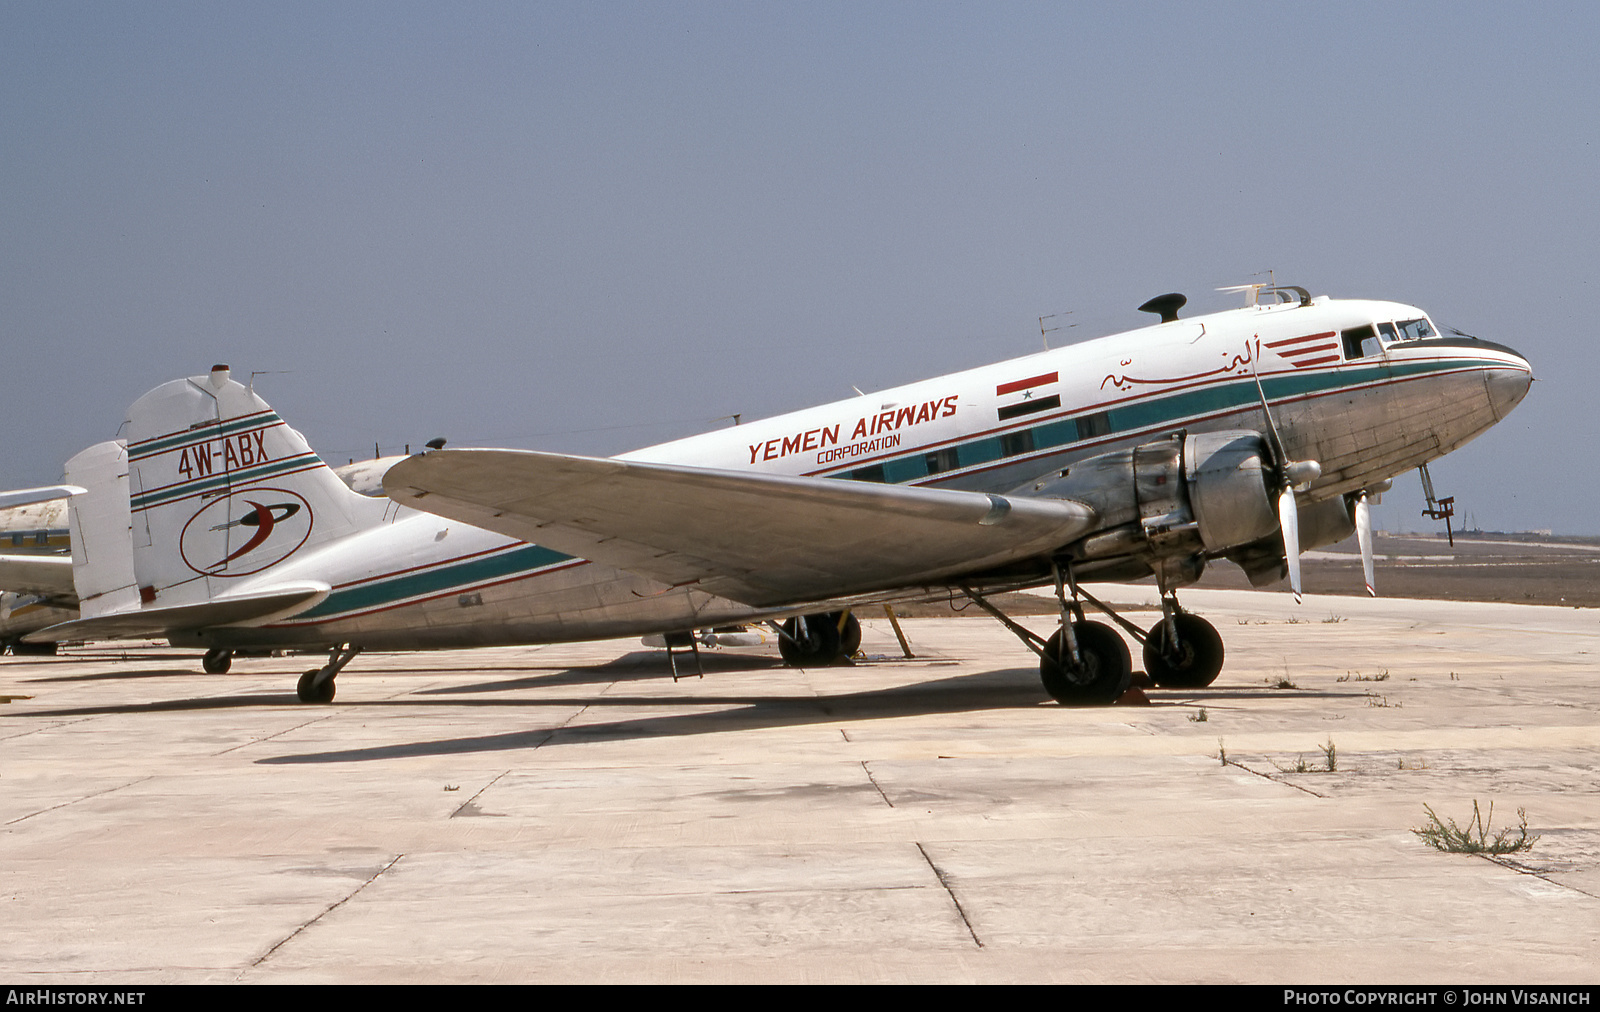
[[1473, 838], [1416, 764], [1222, 753], [1382, 702], [1292, 620], [1282, 683], [1332, 619], [1199, 718], [1330, 752], [1356, 676]]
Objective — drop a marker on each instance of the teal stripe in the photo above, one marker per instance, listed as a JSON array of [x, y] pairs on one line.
[[1162, 411], [224, 479], [516, 562], [201, 434]]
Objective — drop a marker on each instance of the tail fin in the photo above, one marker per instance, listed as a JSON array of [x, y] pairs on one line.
[[221, 489]]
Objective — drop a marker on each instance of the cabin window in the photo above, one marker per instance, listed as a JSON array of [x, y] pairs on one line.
[[1015, 443], [1412, 330], [1360, 342], [1097, 424], [942, 460]]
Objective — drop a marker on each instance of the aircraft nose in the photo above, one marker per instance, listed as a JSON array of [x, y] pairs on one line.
[[1508, 384]]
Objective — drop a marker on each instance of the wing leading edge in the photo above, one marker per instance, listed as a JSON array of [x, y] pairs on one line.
[[764, 540]]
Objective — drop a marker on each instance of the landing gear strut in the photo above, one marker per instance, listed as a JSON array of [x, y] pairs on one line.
[[1086, 663], [316, 685]]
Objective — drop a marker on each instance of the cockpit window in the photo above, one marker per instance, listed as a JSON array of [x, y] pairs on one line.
[[1386, 333], [1411, 330], [1361, 342]]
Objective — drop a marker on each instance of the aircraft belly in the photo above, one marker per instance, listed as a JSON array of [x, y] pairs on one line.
[[582, 602]]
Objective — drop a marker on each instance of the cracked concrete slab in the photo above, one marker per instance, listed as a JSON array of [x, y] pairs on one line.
[[569, 813]]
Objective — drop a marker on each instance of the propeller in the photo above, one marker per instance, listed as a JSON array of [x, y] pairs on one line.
[[1364, 537], [1293, 476]]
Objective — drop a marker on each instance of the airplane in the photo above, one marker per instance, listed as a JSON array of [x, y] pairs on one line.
[[33, 558], [1245, 435]]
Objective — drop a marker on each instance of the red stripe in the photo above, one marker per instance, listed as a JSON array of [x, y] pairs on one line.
[[1297, 340], [1302, 363], [1031, 381], [1310, 349]]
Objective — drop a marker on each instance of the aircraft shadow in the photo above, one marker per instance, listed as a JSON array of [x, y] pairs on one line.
[[998, 690], [638, 666], [113, 676]]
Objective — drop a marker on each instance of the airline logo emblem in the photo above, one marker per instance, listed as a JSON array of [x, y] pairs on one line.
[[246, 532]]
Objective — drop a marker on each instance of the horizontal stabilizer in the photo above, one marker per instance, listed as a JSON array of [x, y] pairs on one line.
[[29, 496], [37, 574], [760, 539], [278, 602]]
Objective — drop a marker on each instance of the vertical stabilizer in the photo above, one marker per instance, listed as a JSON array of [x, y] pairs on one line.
[[221, 489], [98, 519]]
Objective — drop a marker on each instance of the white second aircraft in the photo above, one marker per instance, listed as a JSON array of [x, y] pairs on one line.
[[1245, 435]]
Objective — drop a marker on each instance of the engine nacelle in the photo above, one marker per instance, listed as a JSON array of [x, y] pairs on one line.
[[1202, 493]]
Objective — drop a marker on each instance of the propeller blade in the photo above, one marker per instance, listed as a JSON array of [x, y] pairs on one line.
[[1280, 459], [1364, 538], [1289, 522]]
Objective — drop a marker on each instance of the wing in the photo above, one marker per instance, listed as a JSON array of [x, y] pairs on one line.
[[764, 540]]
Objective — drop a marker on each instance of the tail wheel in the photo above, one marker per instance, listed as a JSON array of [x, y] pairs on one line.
[[310, 692], [810, 640], [217, 661], [1193, 662], [1100, 679]]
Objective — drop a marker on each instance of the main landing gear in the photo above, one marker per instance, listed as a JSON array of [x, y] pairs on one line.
[[316, 685], [818, 640], [1087, 664]]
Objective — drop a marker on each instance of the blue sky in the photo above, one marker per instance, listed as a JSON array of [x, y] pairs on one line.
[[589, 227]]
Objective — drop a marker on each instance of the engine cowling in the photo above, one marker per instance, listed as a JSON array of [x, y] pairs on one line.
[[1201, 493]]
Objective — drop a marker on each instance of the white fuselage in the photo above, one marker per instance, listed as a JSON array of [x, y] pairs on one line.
[[1366, 413]]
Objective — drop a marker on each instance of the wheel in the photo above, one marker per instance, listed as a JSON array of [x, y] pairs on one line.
[[850, 636], [217, 661], [1193, 662], [1107, 669], [812, 640], [312, 693]]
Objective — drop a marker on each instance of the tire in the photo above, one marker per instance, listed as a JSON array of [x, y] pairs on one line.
[[1107, 667], [309, 692], [1193, 662], [850, 636], [217, 661], [812, 640]]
